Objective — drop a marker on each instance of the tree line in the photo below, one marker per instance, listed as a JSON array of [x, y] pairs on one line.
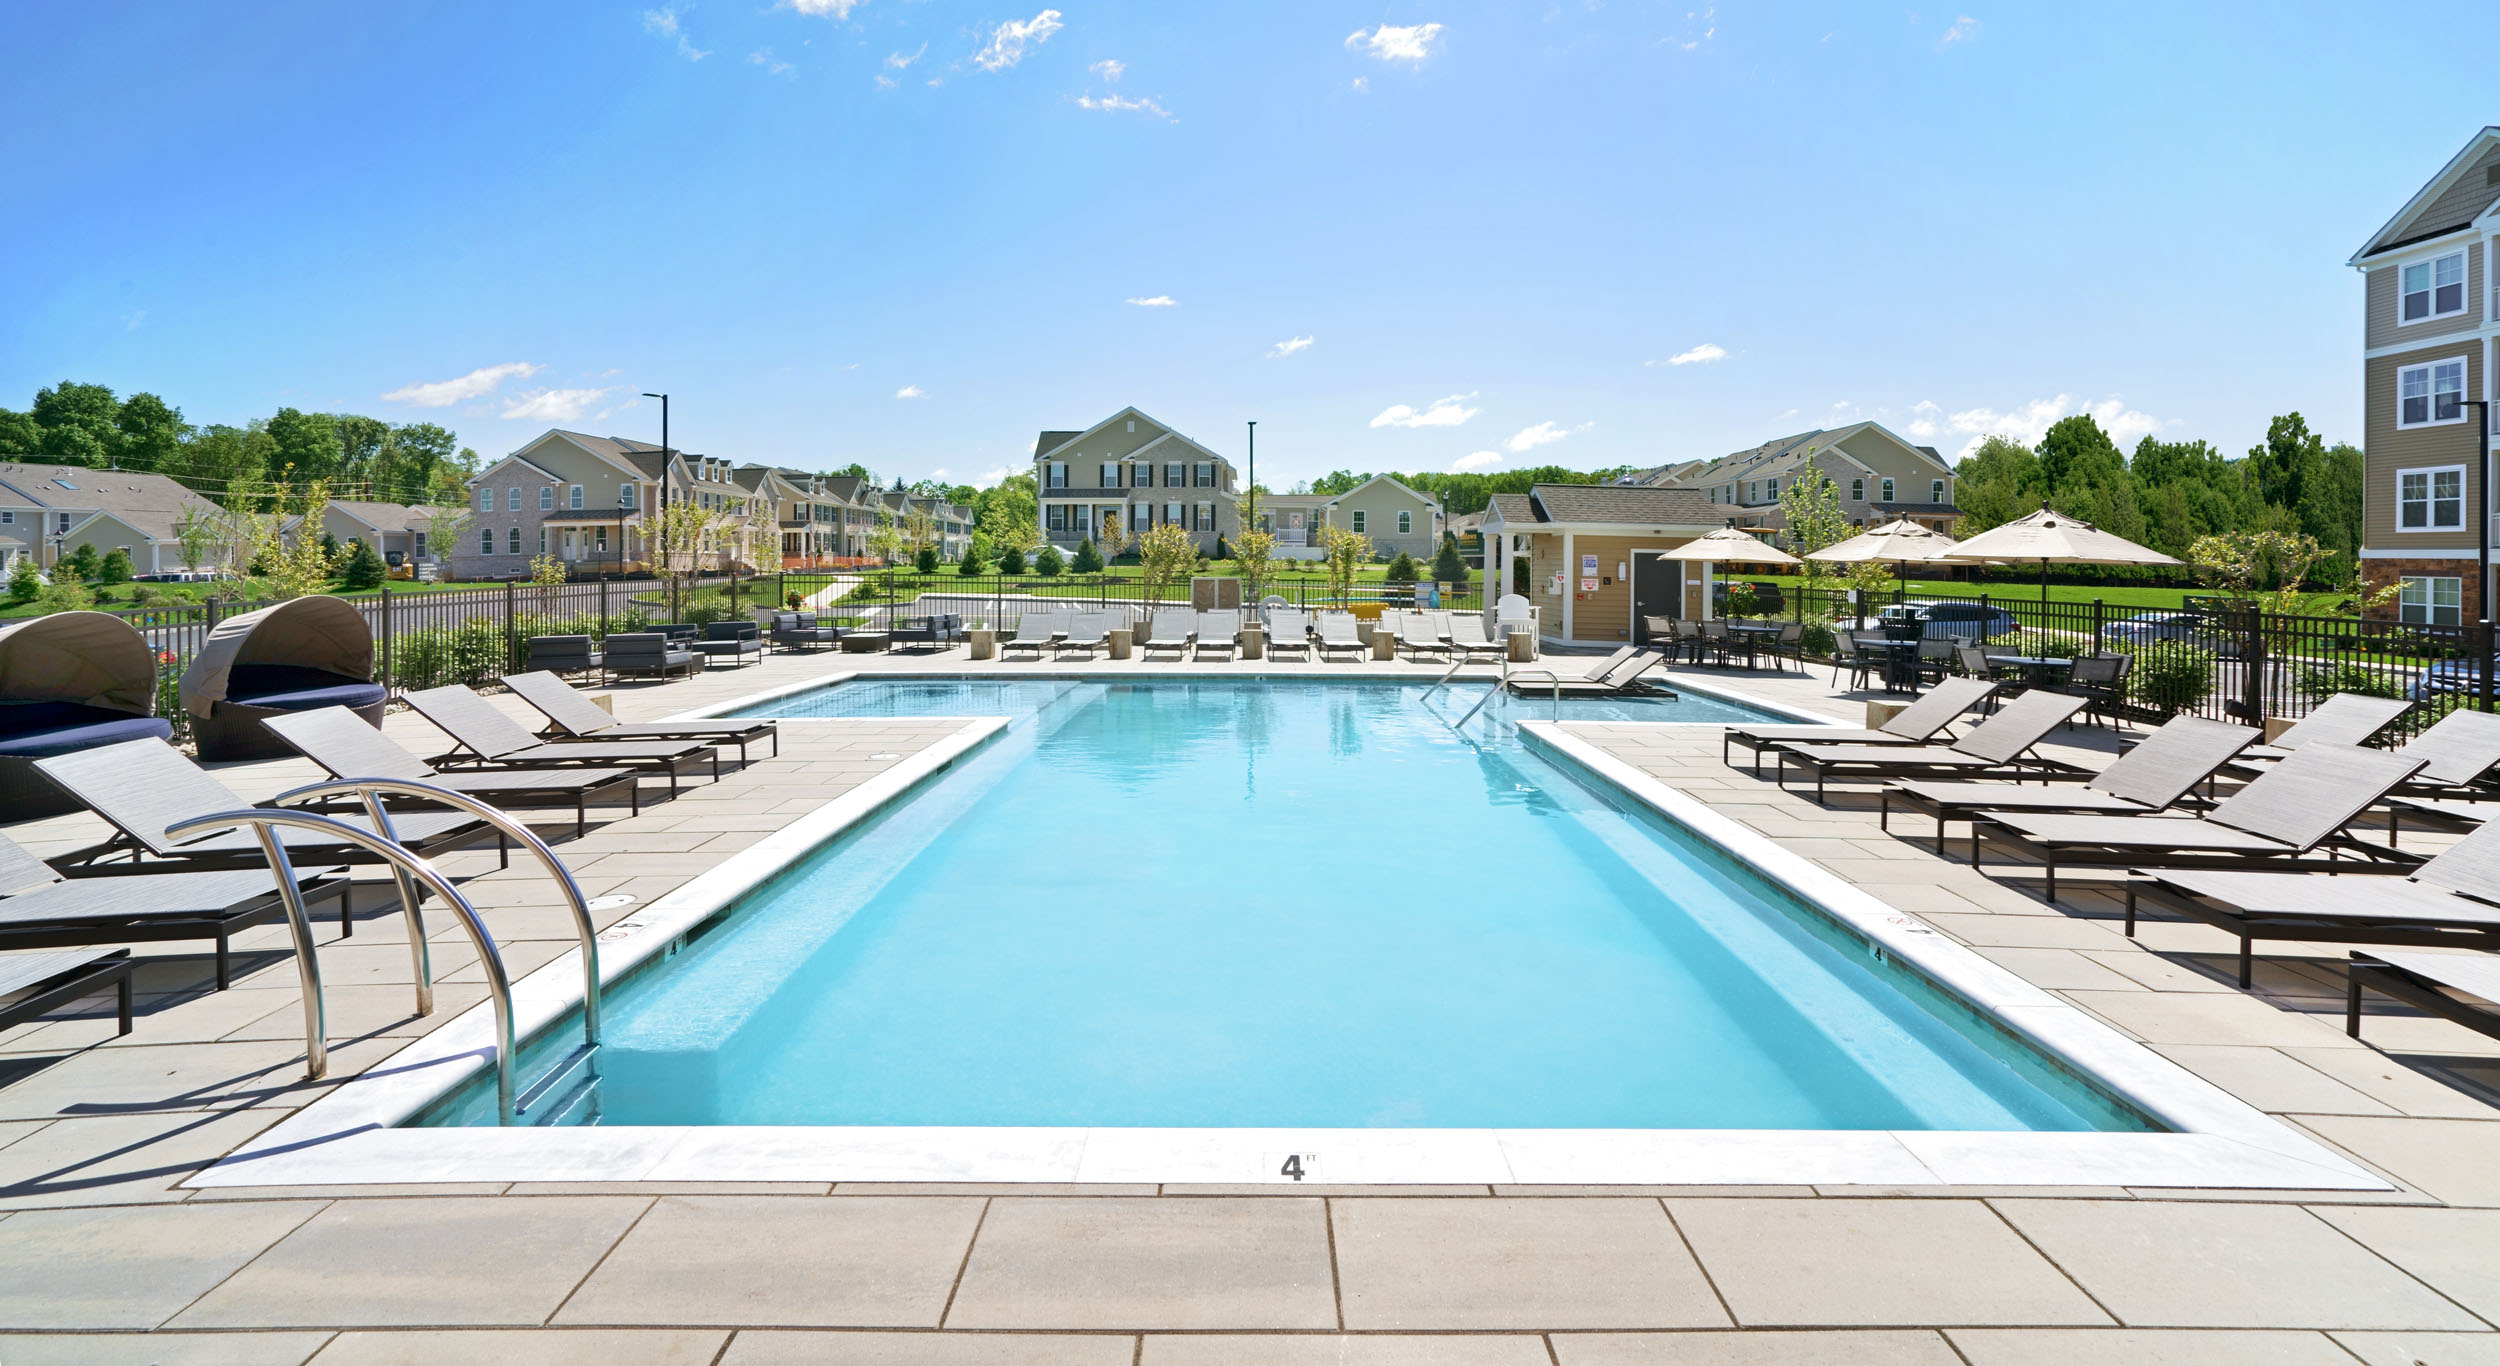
[[245, 467], [1462, 494]]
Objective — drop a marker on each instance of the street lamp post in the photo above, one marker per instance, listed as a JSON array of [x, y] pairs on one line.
[[2484, 645], [1251, 522], [661, 513]]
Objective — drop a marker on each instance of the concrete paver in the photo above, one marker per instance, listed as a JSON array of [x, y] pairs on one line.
[[1836, 1262], [1517, 1264], [538, 1346], [160, 1349], [1170, 1262], [768, 1348], [2455, 1251], [1845, 1347], [868, 1261], [128, 1268], [2144, 1347], [1324, 1349]]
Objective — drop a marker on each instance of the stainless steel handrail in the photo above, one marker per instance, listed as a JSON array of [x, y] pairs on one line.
[[371, 791], [266, 822], [1548, 674]]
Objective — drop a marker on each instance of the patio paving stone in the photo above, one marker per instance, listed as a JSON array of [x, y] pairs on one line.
[[738, 1259], [768, 1348], [2452, 1159], [1846, 1347], [537, 1346], [2423, 1349], [1514, 1263], [1845, 1262], [1147, 1264], [2144, 1347], [161, 1349], [1321, 1349], [128, 1268], [2454, 1251]]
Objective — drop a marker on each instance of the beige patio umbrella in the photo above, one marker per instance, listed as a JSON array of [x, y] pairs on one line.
[[1900, 543], [2052, 538], [1727, 545]]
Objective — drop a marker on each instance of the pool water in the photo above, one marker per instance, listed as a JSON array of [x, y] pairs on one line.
[[1288, 904]]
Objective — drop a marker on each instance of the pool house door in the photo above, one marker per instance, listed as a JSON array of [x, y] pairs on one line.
[[1657, 591]]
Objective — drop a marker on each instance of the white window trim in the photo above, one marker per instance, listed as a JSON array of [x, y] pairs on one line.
[[2430, 598], [2464, 391], [1359, 520], [2429, 503], [547, 498], [1406, 524], [2465, 288], [576, 497], [1886, 486]]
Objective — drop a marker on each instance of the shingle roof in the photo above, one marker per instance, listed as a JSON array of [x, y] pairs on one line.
[[1051, 441], [379, 516], [1610, 503], [150, 503], [1515, 509]]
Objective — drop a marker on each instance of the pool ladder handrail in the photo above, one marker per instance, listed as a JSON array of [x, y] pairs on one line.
[[1502, 683]]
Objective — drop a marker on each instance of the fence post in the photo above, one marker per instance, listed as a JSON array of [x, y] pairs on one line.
[[2483, 663], [508, 595], [386, 637], [2096, 626], [2253, 668]]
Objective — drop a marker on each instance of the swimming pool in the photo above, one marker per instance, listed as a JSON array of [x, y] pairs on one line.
[[1310, 904]]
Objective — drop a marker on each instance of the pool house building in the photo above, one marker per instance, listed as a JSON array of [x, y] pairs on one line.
[[1589, 556]]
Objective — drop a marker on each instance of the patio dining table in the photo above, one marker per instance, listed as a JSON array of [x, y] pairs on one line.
[[2038, 671], [1900, 659], [1754, 636]]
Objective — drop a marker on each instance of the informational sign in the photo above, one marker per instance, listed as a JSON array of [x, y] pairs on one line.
[[1588, 566], [1554, 585], [1588, 585]]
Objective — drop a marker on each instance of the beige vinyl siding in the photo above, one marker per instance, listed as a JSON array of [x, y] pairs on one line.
[[2386, 291], [1380, 505], [1603, 617], [2462, 203], [2389, 450]]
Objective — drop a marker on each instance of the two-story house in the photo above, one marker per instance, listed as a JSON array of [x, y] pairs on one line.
[[1881, 477], [2430, 323], [1131, 467], [1395, 518], [587, 501], [48, 511]]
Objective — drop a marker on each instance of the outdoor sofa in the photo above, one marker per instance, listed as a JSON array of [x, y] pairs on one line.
[[649, 654], [798, 631], [69, 681], [565, 654], [299, 655], [739, 642]]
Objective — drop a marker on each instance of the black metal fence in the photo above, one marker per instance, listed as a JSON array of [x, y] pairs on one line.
[[999, 599], [2213, 657]]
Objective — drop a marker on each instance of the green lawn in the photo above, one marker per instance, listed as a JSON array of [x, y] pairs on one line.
[[2127, 596]]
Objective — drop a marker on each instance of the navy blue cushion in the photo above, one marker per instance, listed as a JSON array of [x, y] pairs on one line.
[[292, 687], [71, 727]]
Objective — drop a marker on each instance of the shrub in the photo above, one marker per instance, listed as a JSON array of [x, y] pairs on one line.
[[926, 561], [630, 621], [972, 565], [1402, 569], [1049, 564], [2169, 676], [2321, 680], [435, 656], [364, 569], [115, 568], [1088, 559], [1011, 561], [82, 562], [705, 611], [1818, 640], [1449, 566], [1222, 551], [25, 581]]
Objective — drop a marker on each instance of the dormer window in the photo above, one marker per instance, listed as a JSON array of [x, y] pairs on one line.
[[2434, 288]]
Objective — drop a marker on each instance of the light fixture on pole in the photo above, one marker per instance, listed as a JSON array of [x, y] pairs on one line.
[[1251, 522], [2482, 549]]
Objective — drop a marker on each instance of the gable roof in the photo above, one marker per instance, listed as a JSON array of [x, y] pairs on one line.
[[147, 503], [1608, 505], [379, 516], [1401, 485], [2450, 200], [1780, 455], [1050, 442], [516, 458]]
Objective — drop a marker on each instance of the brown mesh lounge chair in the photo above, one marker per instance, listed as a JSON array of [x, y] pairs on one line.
[[341, 742], [2000, 746], [2153, 776], [2292, 817], [33, 983], [1919, 723], [2344, 719], [2463, 988], [142, 786], [2458, 753], [2446, 902], [39, 909], [487, 737], [572, 714]]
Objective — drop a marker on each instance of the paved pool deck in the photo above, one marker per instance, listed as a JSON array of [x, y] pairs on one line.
[[107, 1255]]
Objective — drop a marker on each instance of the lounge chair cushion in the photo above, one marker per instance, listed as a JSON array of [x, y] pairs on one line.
[[292, 687], [34, 730]]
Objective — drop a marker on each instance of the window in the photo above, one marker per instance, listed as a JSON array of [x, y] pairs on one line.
[[1771, 488], [8, 517], [2430, 500], [1175, 475], [1935, 491], [486, 541], [1857, 490], [60, 526], [1058, 517], [1145, 476], [1206, 517], [2434, 288], [574, 499], [486, 500], [1887, 490], [2431, 602], [625, 495], [1206, 475], [2431, 394], [1110, 475], [1171, 512], [542, 540], [599, 538], [512, 542], [1358, 520], [1406, 523], [1058, 474], [419, 552], [547, 499]]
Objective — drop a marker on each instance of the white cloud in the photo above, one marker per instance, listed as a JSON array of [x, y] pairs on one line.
[[773, 66], [897, 61], [911, 391], [1961, 29], [1441, 412], [664, 23], [839, 9], [1109, 68], [1922, 423], [1393, 43], [990, 478], [476, 384], [1543, 434], [1362, 84], [1289, 346], [1699, 355], [1117, 103], [2031, 421], [1006, 45], [553, 405], [885, 82], [1158, 301], [1478, 460]]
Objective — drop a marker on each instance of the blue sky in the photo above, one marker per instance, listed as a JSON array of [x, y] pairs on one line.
[[1411, 235]]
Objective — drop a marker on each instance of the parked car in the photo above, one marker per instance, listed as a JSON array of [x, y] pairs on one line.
[[2447, 676], [1938, 620], [2194, 628]]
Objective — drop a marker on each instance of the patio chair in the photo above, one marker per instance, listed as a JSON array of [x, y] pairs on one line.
[[739, 642], [1919, 723], [1289, 631], [2445, 902], [1846, 658], [649, 654], [1035, 631], [1089, 631], [1417, 637], [1789, 644], [1336, 633], [1724, 645], [345, 747], [1218, 630], [1687, 641], [1468, 639], [1996, 747], [564, 654], [2279, 821], [484, 737], [798, 632], [2455, 987], [69, 681], [1935, 659], [2153, 776], [40, 909], [1169, 629], [141, 787], [2101, 681], [32, 984], [572, 715], [1513, 614]]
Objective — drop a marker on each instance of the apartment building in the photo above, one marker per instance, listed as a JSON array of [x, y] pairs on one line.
[[48, 511], [1881, 477], [587, 500], [2430, 326], [1137, 470]]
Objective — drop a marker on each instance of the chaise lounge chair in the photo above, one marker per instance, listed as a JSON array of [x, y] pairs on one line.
[[1467, 638], [1090, 631], [40, 909], [2446, 902], [33, 983], [1418, 636], [2434, 982], [487, 738], [1919, 723], [1218, 630], [2344, 719], [2153, 776], [1337, 633], [2280, 821], [1169, 629], [1288, 632], [1996, 747], [571, 713], [344, 746], [1035, 631]]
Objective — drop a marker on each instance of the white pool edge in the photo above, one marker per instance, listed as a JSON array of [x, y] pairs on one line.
[[348, 1137]]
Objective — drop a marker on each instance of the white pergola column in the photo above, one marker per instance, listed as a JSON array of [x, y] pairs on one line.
[[1571, 583]]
